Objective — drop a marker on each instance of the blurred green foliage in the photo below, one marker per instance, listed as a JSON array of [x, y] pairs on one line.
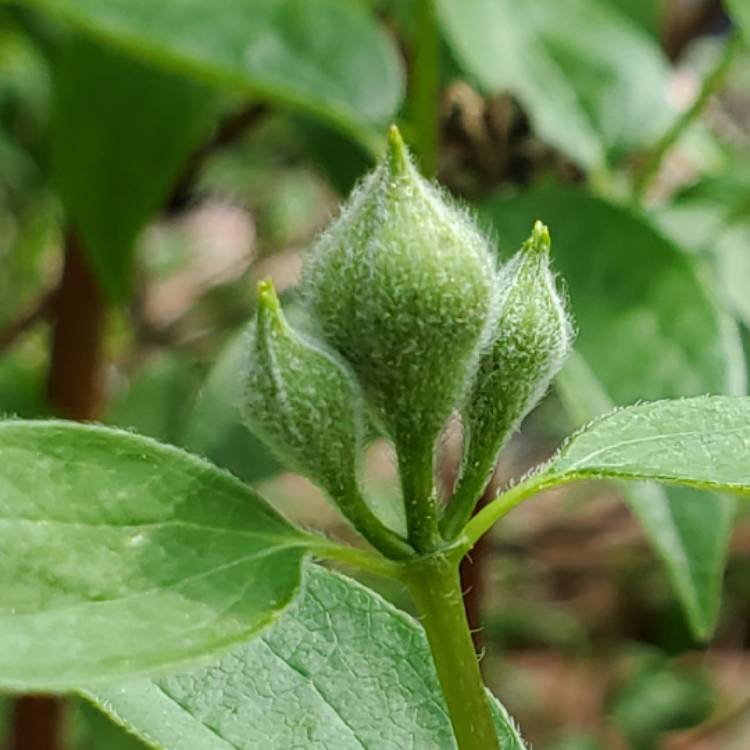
[[116, 116]]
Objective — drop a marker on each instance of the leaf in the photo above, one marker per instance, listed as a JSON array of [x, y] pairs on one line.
[[92, 730], [121, 133], [154, 403], [657, 697], [342, 670], [215, 428], [648, 329], [689, 532], [697, 442], [712, 217], [326, 57], [5, 711], [647, 325], [124, 557], [740, 11], [648, 14], [588, 94]]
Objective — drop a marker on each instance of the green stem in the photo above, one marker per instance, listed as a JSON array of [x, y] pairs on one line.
[[361, 517], [711, 83], [435, 586], [418, 490], [357, 558], [425, 87], [471, 484], [503, 504]]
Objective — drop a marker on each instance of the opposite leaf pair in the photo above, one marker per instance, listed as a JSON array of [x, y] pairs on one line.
[[415, 322]]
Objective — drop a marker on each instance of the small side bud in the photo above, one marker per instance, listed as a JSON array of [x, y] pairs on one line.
[[302, 402], [533, 335], [400, 286]]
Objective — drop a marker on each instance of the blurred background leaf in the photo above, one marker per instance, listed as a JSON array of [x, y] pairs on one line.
[[588, 102], [121, 134], [325, 57], [658, 334]]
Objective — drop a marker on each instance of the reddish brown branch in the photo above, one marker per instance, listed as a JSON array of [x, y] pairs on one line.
[[74, 389], [36, 723], [474, 579], [74, 383]]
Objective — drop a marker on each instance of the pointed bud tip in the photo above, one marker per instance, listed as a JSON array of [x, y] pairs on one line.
[[540, 241], [397, 155], [269, 306]]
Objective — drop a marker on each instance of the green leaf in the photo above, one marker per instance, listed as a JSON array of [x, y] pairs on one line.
[[121, 133], [697, 442], [123, 557], [648, 14], [5, 711], [154, 403], [588, 94], [712, 217], [215, 428], [657, 697], [325, 57], [688, 531], [647, 325], [647, 329], [341, 670], [92, 730], [740, 11]]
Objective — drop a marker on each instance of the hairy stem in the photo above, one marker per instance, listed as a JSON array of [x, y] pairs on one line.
[[354, 506], [471, 484], [418, 490], [434, 584], [356, 558], [711, 83], [425, 87], [503, 504]]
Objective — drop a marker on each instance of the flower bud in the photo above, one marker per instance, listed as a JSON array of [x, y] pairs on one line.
[[303, 402], [400, 286], [533, 335]]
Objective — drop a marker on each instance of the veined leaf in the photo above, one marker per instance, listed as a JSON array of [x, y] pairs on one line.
[[121, 132], [688, 530], [699, 442], [647, 329], [581, 97], [326, 57], [122, 557], [342, 670]]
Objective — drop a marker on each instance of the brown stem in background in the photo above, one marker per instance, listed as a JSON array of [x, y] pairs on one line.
[[74, 382], [74, 391], [37, 720], [474, 579]]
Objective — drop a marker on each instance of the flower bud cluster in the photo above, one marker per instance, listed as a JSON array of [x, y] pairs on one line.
[[415, 322]]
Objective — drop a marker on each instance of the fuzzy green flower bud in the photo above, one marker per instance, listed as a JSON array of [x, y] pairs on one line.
[[400, 286], [304, 403], [533, 335]]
